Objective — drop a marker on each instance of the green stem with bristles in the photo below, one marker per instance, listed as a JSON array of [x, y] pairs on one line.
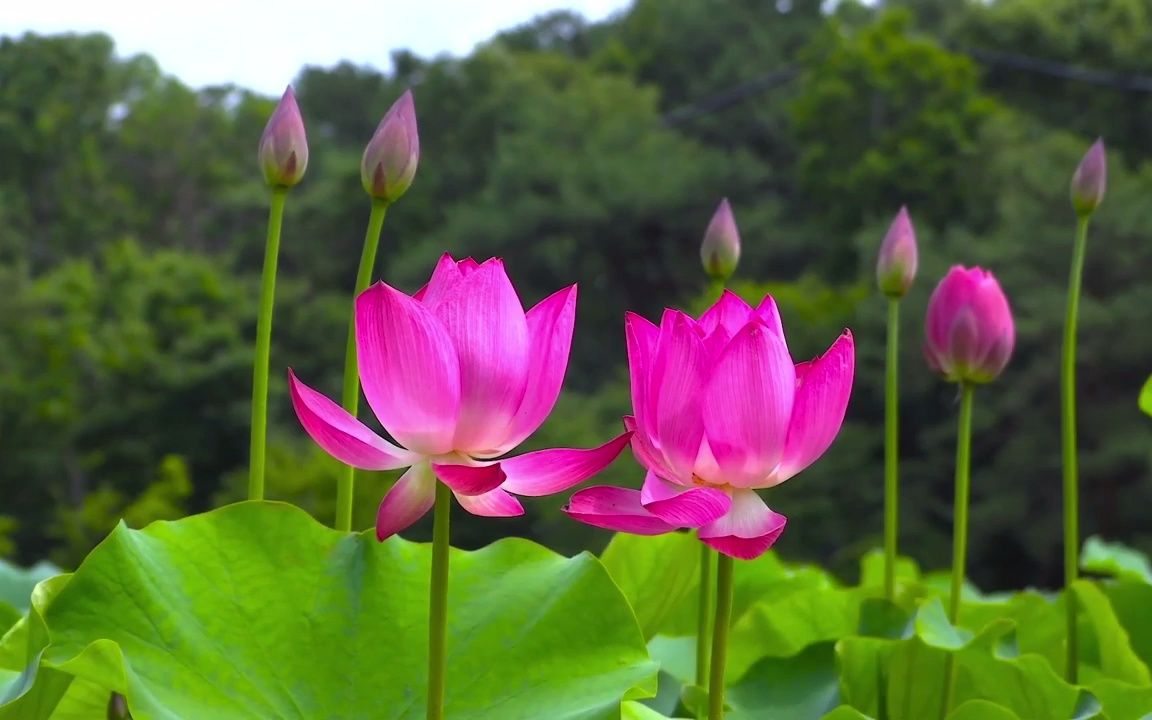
[[891, 451], [1068, 438], [259, 428], [350, 399]]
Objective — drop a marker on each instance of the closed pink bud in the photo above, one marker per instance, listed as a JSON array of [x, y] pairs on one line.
[[720, 251], [283, 146], [390, 160], [896, 268], [969, 332], [1090, 179]]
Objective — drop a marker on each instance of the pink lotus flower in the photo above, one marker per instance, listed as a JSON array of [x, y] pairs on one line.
[[969, 333], [896, 266], [283, 152], [391, 156], [720, 251], [459, 375], [720, 410], [1090, 179]]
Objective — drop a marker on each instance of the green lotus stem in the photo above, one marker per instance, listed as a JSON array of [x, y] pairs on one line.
[[1068, 437], [891, 450], [438, 603], [704, 616], [959, 528], [724, 567], [345, 484], [259, 439]]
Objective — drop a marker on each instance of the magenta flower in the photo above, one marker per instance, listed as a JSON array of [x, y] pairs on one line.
[[720, 410], [969, 333], [1090, 179], [896, 266], [459, 375], [283, 150]]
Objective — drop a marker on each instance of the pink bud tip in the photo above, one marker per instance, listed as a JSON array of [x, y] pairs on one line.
[[896, 267], [720, 251], [969, 331], [390, 160], [283, 146], [1090, 179]]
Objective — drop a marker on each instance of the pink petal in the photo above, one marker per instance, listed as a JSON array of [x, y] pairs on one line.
[[649, 457], [951, 294], [445, 277], [747, 406], [494, 503], [614, 508], [341, 435], [683, 506], [468, 266], [486, 323], [641, 337], [470, 479], [550, 326], [747, 531], [821, 401], [406, 501], [408, 368], [769, 314], [676, 390], [730, 312], [549, 471]]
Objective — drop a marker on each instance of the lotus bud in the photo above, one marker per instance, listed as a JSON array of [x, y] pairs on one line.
[[720, 251], [1089, 180], [284, 146], [390, 159], [896, 267], [969, 331]]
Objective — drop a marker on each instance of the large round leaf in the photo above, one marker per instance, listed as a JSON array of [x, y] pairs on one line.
[[257, 611]]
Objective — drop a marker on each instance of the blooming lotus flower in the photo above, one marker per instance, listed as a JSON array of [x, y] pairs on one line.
[[720, 411], [896, 266], [1089, 180], [283, 150], [720, 250], [391, 156], [969, 333], [459, 375]]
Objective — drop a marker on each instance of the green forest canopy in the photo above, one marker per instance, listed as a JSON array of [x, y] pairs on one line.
[[132, 216]]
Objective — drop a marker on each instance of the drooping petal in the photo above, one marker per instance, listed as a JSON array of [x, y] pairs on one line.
[[677, 383], [494, 503], [406, 501], [615, 508], [747, 530], [444, 278], [549, 471], [470, 479], [821, 401], [641, 337], [486, 323], [747, 405], [408, 368], [550, 326], [341, 435], [683, 506]]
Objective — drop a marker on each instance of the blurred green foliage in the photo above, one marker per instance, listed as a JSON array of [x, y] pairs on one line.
[[132, 216]]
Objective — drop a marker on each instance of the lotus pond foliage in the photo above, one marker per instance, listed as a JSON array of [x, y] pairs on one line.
[[259, 608]]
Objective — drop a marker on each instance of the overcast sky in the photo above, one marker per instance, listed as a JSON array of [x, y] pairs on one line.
[[261, 44]]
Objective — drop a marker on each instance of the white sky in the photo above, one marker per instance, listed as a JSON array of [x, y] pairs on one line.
[[261, 44]]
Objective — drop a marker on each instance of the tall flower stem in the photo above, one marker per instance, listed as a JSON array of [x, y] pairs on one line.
[[704, 605], [704, 616], [259, 438], [959, 527], [438, 603], [724, 568], [891, 450], [1068, 437], [350, 399]]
